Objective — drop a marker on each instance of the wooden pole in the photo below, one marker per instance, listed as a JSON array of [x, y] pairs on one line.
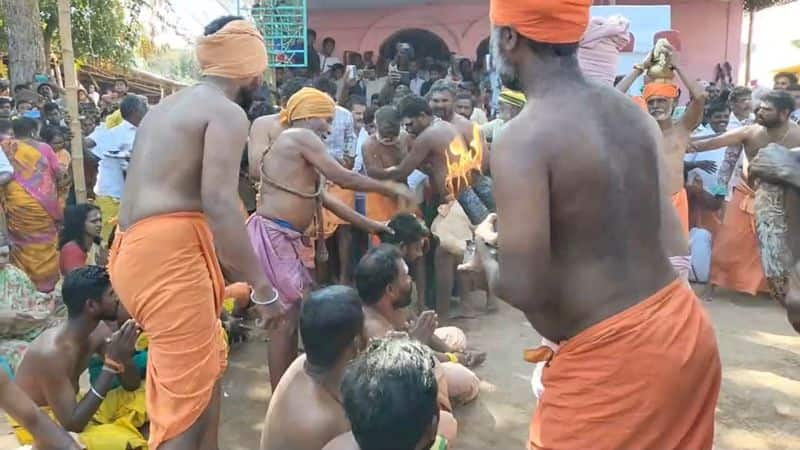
[[749, 52], [71, 78]]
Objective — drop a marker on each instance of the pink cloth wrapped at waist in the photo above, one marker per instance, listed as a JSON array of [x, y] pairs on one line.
[[284, 256], [600, 47]]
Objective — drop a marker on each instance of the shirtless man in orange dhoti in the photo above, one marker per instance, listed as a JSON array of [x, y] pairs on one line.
[[735, 256], [292, 195], [182, 189], [618, 309], [661, 99]]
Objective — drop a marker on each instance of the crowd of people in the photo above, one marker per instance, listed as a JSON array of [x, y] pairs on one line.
[[373, 204]]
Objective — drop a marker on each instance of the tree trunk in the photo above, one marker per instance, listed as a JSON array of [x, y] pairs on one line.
[[25, 42], [71, 81]]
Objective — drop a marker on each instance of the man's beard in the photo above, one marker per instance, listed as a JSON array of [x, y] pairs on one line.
[[403, 301], [443, 113], [508, 74], [774, 123], [246, 98]]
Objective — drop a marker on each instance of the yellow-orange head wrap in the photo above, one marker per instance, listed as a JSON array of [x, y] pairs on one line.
[[667, 90], [547, 21], [307, 103], [235, 51]]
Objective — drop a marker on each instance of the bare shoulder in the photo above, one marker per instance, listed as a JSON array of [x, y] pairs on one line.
[[267, 123], [299, 137]]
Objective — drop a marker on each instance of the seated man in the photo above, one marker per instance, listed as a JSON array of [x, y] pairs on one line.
[[384, 285], [305, 411], [411, 237], [50, 370], [47, 434], [390, 398]]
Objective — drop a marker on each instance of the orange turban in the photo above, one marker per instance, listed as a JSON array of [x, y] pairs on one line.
[[667, 90], [235, 51], [548, 21], [306, 103]]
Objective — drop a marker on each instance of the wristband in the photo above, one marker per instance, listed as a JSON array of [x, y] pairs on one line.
[[452, 357], [114, 365], [266, 303]]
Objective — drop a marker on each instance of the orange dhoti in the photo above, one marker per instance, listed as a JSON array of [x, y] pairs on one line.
[[166, 273], [681, 203], [735, 255], [331, 220], [646, 378], [381, 208]]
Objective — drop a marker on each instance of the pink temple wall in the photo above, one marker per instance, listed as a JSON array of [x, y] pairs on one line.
[[710, 29]]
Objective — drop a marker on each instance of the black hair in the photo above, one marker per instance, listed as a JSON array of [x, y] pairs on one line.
[[130, 105], [407, 230], [465, 96], [356, 100], [75, 224], [376, 270], [49, 132], [218, 23], [330, 319], [292, 85], [6, 101], [443, 85], [259, 109], [311, 32], [739, 93], [326, 85], [121, 80], [389, 394], [369, 114], [716, 107], [414, 106], [50, 106], [781, 100], [791, 76], [6, 126], [24, 127], [329, 40], [83, 284], [21, 86], [436, 67], [39, 88], [388, 115]]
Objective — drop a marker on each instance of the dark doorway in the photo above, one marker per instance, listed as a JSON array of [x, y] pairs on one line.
[[424, 42]]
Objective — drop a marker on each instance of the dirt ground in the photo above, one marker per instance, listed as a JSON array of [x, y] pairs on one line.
[[759, 407]]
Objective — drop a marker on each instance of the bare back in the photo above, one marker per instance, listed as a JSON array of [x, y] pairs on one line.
[[436, 139], [580, 209], [263, 133], [302, 415], [166, 169]]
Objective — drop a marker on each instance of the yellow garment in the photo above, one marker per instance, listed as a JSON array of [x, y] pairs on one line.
[[113, 119], [109, 209], [115, 425], [26, 217], [307, 103], [513, 98], [235, 51]]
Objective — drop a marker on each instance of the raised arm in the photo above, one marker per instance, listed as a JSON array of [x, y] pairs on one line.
[[317, 155], [46, 433], [225, 135], [694, 111], [733, 138]]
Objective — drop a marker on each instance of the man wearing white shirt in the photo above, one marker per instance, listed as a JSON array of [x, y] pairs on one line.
[[326, 59], [112, 148]]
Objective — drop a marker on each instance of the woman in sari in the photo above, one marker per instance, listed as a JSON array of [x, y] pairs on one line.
[[32, 205], [24, 312], [80, 242]]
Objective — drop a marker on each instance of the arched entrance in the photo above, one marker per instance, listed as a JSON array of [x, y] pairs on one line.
[[424, 42], [483, 50]]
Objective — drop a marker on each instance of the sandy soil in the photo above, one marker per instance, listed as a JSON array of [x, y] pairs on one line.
[[758, 407]]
